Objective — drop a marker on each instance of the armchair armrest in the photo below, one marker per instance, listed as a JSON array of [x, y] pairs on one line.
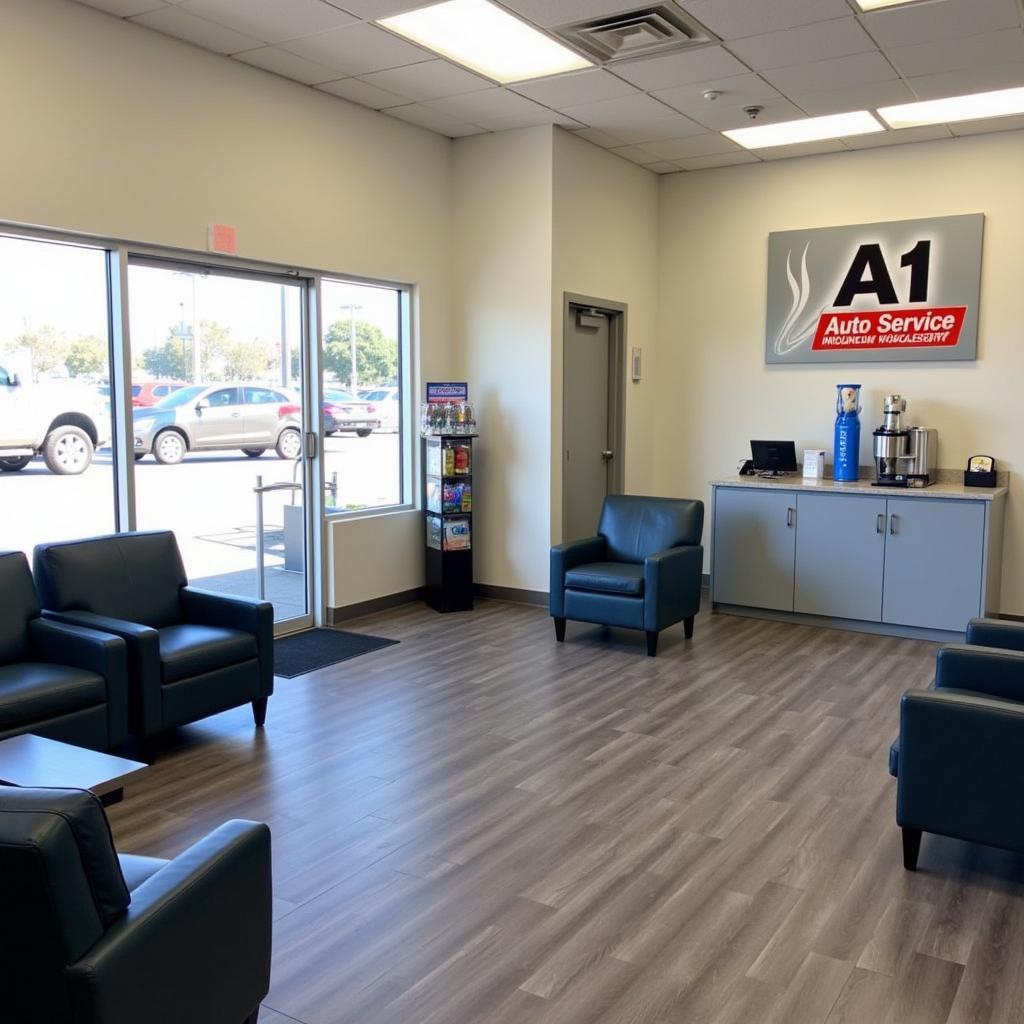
[[144, 677], [195, 943], [996, 633], [672, 585], [102, 653], [960, 764], [989, 670], [568, 556], [249, 616]]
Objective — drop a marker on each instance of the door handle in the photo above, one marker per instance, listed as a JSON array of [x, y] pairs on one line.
[[790, 516], [892, 524], [880, 523], [606, 454], [311, 443]]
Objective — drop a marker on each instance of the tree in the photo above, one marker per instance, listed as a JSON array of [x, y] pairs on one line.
[[173, 359], [46, 346], [247, 360], [86, 356], [376, 355]]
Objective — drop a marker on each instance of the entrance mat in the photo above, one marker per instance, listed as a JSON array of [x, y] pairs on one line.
[[300, 653]]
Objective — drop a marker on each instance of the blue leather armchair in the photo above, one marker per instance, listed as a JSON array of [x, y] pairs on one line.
[[960, 756], [641, 571], [68, 683], [91, 937]]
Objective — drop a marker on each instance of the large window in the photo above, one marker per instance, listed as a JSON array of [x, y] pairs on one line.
[[56, 473], [362, 395]]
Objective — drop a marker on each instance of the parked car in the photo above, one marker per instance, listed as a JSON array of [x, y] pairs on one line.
[[344, 414], [386, 401], [149, 392], [216, 417], [60, 420]]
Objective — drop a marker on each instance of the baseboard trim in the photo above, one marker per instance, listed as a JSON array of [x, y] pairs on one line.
[[1011, 618], [376, 604], [512, 594], [705, 581]]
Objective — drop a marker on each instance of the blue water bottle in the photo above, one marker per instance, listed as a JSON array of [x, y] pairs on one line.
[[846, 456]]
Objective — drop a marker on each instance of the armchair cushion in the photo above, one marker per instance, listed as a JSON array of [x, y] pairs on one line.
[[34, 691], [137, 869], [984, 670], [20, 606], [608, 578], [191, 650], [635, 526], [996, 633]]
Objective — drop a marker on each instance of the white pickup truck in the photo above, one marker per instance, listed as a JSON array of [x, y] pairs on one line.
[[62, 421]]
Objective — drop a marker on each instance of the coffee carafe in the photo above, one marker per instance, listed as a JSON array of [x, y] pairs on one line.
[[904, 456]]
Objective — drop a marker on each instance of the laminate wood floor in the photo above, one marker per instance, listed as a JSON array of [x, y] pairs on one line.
[[481, 825]]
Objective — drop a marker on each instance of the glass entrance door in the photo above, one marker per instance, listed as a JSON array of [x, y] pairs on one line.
[[219, 421]]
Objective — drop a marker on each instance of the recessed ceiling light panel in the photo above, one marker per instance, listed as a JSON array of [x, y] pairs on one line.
[[875, 5], [486, 39], [809, 129], [1000, 103]]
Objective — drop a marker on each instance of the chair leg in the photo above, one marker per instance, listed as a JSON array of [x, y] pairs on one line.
[[652, 643], [559, 629], [688, 627], [259, 711], [911, 847]]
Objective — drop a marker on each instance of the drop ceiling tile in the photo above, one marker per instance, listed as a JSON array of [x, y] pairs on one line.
[[957, 83], [929, 23], [705, 62], [988, 124], [721, 118], [358, 49], [672, 127], [823, 40], [735, 92], [827, 75], [125, 8], [562, 12], [415, 113], [429, 80], [576, 88], [600, 138], [734, 19], [485, 103], [701, 163], [378, 8], [869, 96], [662, 167], [708, 144], [899, 138], [636, 154], [1005, 47], [804, 149], [361, 92], [273, 21], [632, 119], [530, 119], [281, 62], [173, 21]]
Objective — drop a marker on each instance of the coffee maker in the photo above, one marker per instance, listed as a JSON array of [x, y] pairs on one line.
[[904, 456]]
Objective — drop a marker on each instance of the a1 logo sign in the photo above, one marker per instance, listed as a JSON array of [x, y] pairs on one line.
[[869, 275]]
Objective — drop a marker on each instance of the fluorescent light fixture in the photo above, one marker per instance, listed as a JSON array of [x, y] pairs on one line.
[[876, 5], [487, 39], [810, 129], [1000, 103]]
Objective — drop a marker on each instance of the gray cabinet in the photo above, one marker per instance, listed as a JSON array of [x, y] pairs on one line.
[[754, 545], [934, 557], [840, 556]]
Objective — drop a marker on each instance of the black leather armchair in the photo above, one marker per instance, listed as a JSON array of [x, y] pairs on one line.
[[190, 653], [960, 754], [69, 683], [642, 570], [91, 938]]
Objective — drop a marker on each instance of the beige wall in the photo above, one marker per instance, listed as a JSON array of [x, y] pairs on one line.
[[501, 272], [112, 129], [715, 391], [605, 242]]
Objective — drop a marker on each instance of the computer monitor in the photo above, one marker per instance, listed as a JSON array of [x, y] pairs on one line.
[[773, 457]]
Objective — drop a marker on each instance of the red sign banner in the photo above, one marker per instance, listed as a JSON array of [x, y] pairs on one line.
[[935, 327]]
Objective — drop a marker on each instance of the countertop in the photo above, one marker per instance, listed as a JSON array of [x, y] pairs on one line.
[[945, 488]]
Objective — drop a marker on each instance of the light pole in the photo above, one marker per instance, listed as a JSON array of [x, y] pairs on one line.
[[196, 361], [354, 380]]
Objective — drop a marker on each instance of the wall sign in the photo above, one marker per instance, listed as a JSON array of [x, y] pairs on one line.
[[901, 290], [447, 392]]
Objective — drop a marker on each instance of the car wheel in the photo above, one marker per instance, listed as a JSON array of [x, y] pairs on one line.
[[169, 448], [363, 433], [254, 453], [68, 451], [14, 463], [289, 444], [138, 456]]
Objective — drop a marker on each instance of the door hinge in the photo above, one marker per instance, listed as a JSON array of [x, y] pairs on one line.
[[311, 445]]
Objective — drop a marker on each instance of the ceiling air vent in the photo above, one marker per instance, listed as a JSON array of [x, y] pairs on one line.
[[636, 33]]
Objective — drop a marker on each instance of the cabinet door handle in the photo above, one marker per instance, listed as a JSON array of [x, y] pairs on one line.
[[892, 524], [790, 516], [880, 523]]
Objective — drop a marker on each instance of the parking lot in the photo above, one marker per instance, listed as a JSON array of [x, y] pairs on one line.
[[209, 502]]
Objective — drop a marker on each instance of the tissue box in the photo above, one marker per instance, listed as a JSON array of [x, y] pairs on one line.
[[814, 463]]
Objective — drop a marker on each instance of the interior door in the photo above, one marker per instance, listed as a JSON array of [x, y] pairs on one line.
[[586, 447]]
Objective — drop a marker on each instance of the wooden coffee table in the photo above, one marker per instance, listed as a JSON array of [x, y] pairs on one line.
[[34, 761]]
